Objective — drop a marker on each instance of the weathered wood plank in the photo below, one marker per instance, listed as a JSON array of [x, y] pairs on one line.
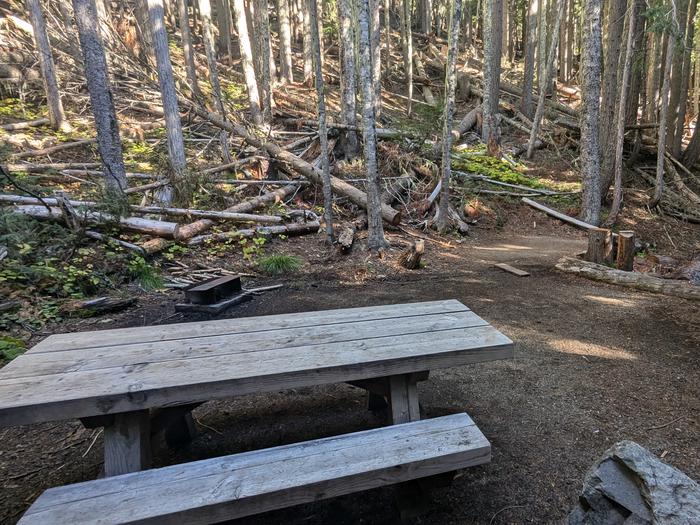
[[144, 334], [127, 443], [146, 385], [235, 486], [404, 399], [512, 269], [69, 361]]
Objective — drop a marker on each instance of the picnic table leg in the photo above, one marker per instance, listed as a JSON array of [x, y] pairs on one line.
[[127, 443]]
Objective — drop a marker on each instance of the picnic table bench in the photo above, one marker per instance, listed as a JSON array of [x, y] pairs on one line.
[[138, 381]]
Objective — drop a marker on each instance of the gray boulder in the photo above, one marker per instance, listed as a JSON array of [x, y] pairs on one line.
[[629, 485]]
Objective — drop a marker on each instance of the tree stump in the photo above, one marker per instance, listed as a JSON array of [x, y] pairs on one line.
[[625, 251], [410, 258], [599, 246]]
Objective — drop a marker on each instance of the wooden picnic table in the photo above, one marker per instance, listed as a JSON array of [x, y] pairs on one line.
[[132, 381]]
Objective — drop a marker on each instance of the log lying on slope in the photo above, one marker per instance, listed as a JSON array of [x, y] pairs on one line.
[[135, 224], [636, 280], [339, 186], [291, 230], [54, 149], [24, 125]]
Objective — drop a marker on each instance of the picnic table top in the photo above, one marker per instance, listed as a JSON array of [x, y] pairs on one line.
[[75, 375]]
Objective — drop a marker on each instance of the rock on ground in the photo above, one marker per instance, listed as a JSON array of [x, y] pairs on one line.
[[631, 486]]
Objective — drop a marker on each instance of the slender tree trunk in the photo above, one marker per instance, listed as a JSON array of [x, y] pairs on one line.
[[541, 43], [173, 126], [285, 36], [106, 123], [375, 239], [450, 83], [188, 50], [376, 42], [685, 82], [638, 61], [387, 37], [653, 76], [347, 77], [539, 113], [663, 119], [408, 51], [590, 109], [322, 129], [263, 28], [48, 70], [308, 52], [620, 123], [223, 23], [493, 19], [247, 61], [561, 74], [529, 72], [675, 96], [570, 41], [210, 51]]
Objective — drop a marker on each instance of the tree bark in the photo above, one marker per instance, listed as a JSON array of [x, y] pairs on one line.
[[407, 52], [106, 123], [663, 119], [347, 77], [285, 36], [263, 30], [308, 48], [493, 30], [375, 240], [529, 72], [188, 50], [682, 105], [620, 124], [539, 112], [590, 109], [247, 61], [450, 82], [48, 69], [376, 43], [322, 129], [675, 95], [223, 23], [173, 126]]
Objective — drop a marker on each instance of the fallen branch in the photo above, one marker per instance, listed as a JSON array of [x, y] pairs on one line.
[[636, 280], [126, 245], [291, 230], [558, 215], [53, 149], [38, 168], [24, 125]]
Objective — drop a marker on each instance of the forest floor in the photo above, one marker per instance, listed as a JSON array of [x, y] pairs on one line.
[[594, 364]]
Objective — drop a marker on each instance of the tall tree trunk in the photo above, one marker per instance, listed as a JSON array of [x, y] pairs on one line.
[[210, 51], [682, 105], [656, 41], [223, 24], [541, 43], [48, 70], [347, 77], [188, 50], [387, 37], [247, 61], [529, 72], [638, 61], [173, 126], [285, 36], [663, 119], [590, 109], [493, 19], [539, 113], [308, 51], [561, 61], [322, 129], [675, 95], [609, 94], [106, 123], [450, 83], [375, 238], [263, 28], [408, 51], [620, 119], [375, 7]]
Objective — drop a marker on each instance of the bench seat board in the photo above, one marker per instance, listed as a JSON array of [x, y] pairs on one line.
[[229, 487], [170, 366]]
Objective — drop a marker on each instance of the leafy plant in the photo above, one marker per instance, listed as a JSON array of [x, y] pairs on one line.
[[10, 347], [144, 273], [278, 264], [252, 248]]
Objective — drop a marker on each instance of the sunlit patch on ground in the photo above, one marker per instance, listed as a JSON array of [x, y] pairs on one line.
[[573, 346]]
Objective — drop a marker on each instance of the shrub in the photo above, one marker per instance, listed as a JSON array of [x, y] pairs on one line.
[[279, 264]]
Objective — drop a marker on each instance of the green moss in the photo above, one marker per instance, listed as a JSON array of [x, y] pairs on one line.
[[10, 347], [15, 108], [474, 161]]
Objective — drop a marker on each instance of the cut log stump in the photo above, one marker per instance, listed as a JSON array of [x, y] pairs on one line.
[[410, 258], [625, 251]]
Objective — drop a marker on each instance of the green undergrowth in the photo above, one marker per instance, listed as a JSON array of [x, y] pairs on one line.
[[280, 263], [10, 347]]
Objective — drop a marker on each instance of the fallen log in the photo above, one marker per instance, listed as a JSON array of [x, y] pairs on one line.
[[198, 227], [636, 280], [382, 133], [53, 149], [427, 94], [135, 224], [98, 306], [229, 166], [24, 125], [338, 186], [290, 230], [126, 245], [58, 166], [558, 215]]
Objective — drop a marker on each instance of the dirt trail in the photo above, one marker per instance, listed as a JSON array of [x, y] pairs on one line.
[[594, 364]]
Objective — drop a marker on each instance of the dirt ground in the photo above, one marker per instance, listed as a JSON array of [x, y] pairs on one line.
[[594, 364]]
